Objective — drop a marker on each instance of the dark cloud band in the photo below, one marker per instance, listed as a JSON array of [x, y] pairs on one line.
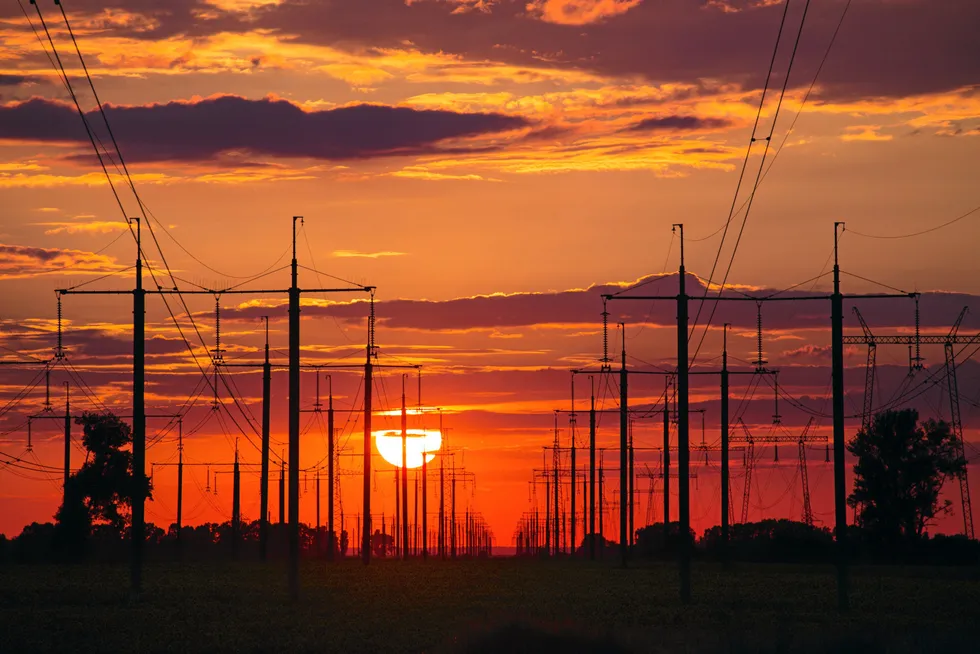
[[198, 131]]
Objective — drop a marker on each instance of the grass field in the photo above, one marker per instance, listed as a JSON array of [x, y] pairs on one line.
[[475, 605]]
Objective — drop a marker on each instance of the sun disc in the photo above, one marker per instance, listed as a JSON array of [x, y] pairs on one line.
[[418, 442]]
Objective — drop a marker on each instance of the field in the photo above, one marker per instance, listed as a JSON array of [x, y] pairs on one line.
[[486, 605]]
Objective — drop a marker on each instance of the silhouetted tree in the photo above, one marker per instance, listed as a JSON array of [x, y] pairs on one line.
[[652, 541], [900, 470], [771, 540], [102, 490], [382, 544]]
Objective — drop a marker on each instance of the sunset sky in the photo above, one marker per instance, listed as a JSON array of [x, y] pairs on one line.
[[493, 167]]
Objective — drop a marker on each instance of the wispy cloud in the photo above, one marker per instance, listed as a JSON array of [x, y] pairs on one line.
[[90, 227], [366, 255]]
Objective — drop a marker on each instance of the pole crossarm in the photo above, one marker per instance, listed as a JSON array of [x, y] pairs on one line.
[[860, 296], [177, 291]]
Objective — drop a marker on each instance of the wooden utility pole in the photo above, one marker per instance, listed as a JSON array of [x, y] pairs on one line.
[[180, 479], [837, 380], [592, 479], [725, 499], [623, 457], [571, 428], [266, 425], [236, 504], [332, 536], [404, 471]]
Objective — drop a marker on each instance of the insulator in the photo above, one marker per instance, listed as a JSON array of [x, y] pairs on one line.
[[371, 328], [827, 455], [776, 451], [217, 328], [605, 336], [59, 351], [758, 324]]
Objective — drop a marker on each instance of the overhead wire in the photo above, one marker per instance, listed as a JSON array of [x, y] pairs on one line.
[[748, 153], [919, 233], [755, 188]]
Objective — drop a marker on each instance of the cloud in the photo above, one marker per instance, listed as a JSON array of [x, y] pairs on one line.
[[809, 351], [865, 133], [571, 309], [578, 12], [90, 227], [422, 173], [884, 49], [366, 255], [232, 127], [19, 261], [679, 123], [17, 80]]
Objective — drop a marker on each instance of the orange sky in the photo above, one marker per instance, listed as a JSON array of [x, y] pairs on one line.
[[487, 165]]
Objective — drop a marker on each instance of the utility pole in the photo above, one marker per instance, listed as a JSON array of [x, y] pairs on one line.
[[623, 456], [316, 534], [555, 465], [404, 471], [139, 420], [64, 497], [632, 477], [282, 490], [236, 504], [368, 381], [294, 466], [452, 541], [332, 537], [602, 545], [425, 493], [572, 418], [840, 484], [180, 478], [666, 455], [592, 480], [683, 453], [442, 492], [266, 423], [725, 499]]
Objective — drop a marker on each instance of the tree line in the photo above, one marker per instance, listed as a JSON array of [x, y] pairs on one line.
[[901, 467]]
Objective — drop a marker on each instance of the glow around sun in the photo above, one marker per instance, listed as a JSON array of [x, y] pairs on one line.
[[417, 443]]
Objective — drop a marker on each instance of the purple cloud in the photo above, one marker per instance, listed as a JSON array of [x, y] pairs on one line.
[[678, 123], [197, 131], [885, 48]]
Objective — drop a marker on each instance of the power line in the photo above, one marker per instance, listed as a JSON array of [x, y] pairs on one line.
[[758, 179], [748, 152], [924, 231]]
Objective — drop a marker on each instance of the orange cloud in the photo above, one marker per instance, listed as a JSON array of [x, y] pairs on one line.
[[578, 12], [91, 227], [366, 255], [22, 261]]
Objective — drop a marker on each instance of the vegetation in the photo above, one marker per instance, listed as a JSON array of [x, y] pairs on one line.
[[900, 471], [100, 494], [495, 605]]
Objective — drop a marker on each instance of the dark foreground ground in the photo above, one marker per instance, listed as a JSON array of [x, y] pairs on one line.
[[486, 606]]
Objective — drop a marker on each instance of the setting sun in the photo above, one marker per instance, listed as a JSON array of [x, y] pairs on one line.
[[418, 442]]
